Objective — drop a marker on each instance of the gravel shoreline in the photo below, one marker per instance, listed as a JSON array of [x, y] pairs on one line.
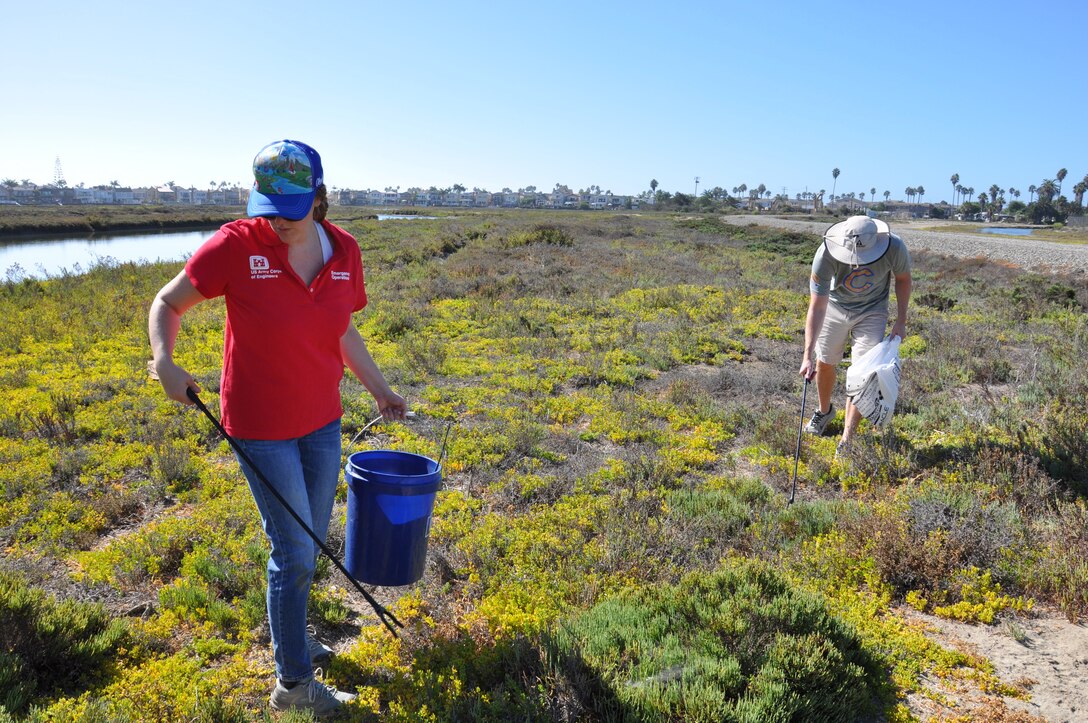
[[1034, 254]]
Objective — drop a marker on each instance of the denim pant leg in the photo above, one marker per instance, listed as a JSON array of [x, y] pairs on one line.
[[305, 471], [321, 466]]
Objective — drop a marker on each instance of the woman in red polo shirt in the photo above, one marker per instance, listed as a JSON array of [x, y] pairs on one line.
[[291, 281]]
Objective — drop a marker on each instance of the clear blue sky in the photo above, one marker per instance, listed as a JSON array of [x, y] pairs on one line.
[[493, 94]]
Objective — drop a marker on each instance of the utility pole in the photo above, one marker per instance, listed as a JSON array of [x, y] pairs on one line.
[[696, 186]]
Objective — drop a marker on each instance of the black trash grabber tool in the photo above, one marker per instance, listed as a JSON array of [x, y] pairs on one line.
[[797, 454], [387, 618]]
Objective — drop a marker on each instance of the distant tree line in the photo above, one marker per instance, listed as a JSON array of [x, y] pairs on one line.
[[1045, 204]]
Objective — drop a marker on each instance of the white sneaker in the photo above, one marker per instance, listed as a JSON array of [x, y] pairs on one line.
[[313, 694], [820, 420]]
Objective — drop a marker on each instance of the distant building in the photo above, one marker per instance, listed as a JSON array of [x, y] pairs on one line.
[[30, 194]]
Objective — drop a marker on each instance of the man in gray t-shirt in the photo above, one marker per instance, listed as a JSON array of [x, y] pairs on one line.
[[852, 274]]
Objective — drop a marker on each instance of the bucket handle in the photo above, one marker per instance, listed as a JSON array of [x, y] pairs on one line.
[[410, 415]]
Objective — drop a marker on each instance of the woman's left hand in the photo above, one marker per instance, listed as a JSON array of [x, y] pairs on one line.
[[391, 405]]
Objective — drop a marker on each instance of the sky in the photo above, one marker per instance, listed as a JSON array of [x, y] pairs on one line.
[[510, 95]]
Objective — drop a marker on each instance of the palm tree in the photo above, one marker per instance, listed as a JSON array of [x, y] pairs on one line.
[[921, 191], [1032, 189], [1061, 177], [909, 190], [1047, 191], [835, 177], [653, 185], [955, 179], [1078, 191], [887, 195], [872, 194]]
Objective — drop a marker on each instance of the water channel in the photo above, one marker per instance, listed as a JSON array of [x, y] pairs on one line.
[[1007, 231], [44, 257]]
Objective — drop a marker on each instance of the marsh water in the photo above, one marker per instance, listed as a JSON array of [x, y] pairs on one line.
[[40, 258], [1007, 231], [44, 257]]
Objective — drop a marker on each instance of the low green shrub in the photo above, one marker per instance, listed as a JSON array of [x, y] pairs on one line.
[[706, 523], [544, 233], [48, 646], [1064, 444], [737, 645], [1056, 569]]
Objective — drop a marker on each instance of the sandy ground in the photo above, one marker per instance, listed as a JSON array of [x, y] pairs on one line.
[[1044, 655]]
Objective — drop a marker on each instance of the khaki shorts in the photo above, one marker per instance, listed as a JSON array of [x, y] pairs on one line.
[[865, 330]]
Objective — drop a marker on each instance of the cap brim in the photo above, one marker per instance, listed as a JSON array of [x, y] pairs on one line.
[[294, 206], [865, 256]]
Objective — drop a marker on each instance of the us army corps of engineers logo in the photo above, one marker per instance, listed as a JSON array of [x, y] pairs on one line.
[[259, 268]]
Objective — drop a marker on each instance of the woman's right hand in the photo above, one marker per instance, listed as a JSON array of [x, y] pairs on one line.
[[163, 322], [176, 381]]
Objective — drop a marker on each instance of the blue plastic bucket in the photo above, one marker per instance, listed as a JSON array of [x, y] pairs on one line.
[[390, 501]]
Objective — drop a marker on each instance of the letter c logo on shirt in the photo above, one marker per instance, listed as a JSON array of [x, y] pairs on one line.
[[859, 280]]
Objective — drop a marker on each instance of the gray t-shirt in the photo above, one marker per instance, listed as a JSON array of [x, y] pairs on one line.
[[859, 289]]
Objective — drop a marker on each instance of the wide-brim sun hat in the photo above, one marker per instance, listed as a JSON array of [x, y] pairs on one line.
[[286, 175], [859, 240]]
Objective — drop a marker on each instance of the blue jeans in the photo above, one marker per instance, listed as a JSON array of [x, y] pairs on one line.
[[305, 471]]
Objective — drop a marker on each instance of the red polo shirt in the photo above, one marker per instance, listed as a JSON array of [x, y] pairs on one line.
[[281, 354]]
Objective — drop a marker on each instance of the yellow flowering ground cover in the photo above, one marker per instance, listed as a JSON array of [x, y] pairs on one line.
[[612, 540]]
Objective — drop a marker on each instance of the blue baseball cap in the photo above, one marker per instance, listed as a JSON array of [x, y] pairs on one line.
[[286, 175]]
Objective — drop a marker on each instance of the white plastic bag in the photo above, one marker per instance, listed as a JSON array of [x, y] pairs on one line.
[[872, 382]]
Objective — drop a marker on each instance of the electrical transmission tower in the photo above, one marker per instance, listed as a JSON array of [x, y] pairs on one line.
[[58, 174]]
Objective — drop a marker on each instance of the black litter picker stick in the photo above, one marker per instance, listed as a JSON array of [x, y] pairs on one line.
[[797, 454], [387, 618]]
